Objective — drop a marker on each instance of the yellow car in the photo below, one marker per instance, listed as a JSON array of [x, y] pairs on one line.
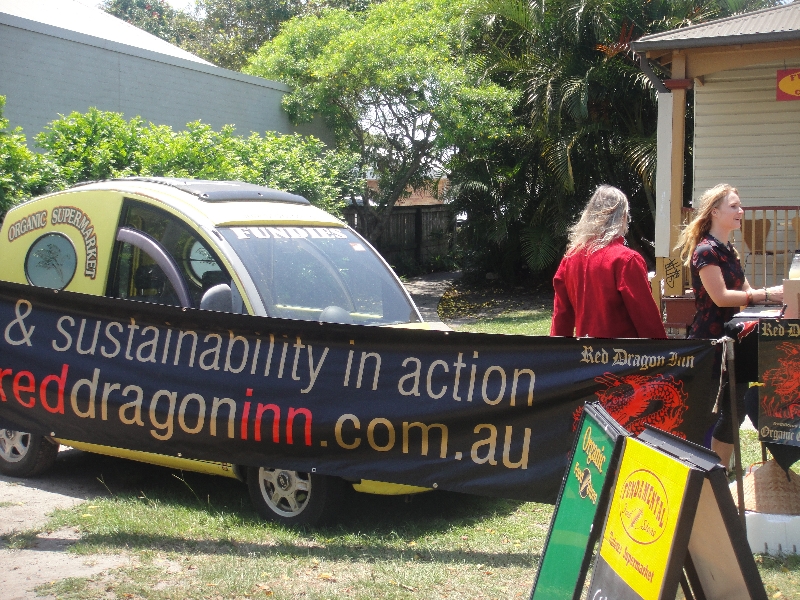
[[218, 245]]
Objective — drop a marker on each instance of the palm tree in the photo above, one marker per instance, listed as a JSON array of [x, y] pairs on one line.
[[589, 114]]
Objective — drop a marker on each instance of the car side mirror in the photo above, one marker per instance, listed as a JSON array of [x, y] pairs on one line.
[[335, 314], [218, 298]]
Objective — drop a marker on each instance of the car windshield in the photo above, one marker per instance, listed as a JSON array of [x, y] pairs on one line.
[[320, 274]]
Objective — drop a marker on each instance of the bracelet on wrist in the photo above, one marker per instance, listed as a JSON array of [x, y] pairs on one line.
[[766, 295], [749, 297]]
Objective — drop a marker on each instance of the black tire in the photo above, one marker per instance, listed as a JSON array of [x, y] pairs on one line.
[[25, 454], [294, 497]]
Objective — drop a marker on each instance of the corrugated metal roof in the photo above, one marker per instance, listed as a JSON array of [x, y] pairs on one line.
[[77, 17], [778, 24]]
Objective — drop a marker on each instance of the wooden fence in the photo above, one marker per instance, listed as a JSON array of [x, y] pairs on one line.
[[414, 234]]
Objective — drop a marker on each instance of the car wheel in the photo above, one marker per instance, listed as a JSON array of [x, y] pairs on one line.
[[25, 454], [294, 497]]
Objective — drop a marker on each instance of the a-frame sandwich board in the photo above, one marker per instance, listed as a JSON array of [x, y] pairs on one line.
[[580, 507], [720, 562], [671, 517]]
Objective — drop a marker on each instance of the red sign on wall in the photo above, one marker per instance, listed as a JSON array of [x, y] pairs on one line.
[[788, 84]]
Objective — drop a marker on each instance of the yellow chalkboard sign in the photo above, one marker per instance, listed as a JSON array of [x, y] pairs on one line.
[[671, 521], [643, 517]]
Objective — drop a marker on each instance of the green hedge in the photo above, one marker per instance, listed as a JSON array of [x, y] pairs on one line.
[[101, 145]]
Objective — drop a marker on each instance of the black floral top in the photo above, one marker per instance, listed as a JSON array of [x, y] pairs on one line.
[[709, 322]]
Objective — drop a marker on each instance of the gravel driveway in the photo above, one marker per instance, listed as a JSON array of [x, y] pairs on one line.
[[25, 505]]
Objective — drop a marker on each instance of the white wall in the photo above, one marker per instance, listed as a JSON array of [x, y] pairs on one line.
[[744, 137], [46, 71]]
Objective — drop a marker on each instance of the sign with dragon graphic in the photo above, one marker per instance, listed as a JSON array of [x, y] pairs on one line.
[[638, 400], [779, 397]]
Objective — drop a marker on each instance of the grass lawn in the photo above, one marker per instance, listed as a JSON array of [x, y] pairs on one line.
[[198, 538], [194, 536], [516, 322]]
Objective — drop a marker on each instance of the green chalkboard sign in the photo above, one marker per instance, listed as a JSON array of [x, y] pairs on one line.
[[583, 496]]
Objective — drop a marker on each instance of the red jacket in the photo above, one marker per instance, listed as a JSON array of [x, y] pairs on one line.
[[605, 294]]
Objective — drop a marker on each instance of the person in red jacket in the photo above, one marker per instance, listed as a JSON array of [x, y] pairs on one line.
[[601, 286]]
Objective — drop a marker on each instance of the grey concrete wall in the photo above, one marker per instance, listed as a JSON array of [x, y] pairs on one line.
[[46, 71]]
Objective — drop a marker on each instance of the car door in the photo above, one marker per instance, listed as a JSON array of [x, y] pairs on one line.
[[160, 258]]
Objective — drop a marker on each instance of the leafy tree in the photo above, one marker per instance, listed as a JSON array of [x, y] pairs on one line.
[[395, 84], [154, 16], [185, 29], [101, 145], [22, 172], [235, 29]]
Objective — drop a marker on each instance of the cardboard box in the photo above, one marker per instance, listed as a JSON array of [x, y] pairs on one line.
[[791, 298]]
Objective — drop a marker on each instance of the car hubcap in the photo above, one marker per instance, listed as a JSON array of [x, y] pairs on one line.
[[14, 445], [285, 492]]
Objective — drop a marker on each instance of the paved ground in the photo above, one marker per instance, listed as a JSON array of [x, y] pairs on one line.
[[26, 504], [427, 290]]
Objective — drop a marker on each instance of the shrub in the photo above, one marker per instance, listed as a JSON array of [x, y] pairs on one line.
[[92, 145], [22, 172], [102, 145]]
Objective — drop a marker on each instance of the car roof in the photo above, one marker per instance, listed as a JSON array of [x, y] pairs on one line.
[[221, 203], [218, 191]]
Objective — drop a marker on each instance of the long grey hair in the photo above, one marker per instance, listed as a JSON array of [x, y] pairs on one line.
[[604, 219]]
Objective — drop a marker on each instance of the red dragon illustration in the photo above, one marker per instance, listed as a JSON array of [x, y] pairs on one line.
[[636, 400], [782, 384]]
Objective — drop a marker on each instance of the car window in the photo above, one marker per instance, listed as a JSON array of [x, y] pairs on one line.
[[139, 277], [136, 274], [302, 271]]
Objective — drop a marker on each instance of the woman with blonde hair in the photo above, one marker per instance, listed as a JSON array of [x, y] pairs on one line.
[[719, 284], [601, 286]]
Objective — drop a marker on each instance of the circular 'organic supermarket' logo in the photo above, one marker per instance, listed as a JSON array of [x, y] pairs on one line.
[[644, 506], [51, 261]]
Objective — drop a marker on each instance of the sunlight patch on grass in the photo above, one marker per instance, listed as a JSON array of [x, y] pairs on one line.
[[518, 322]]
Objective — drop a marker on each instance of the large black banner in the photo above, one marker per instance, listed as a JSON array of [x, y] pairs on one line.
[[485, 414]]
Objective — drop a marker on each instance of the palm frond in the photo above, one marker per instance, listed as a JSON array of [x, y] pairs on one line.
[[556, 154], [517, 12], [575, 97], [541, 246], [640, 153]]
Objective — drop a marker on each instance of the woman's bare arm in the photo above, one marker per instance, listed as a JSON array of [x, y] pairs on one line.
[[712, 279]]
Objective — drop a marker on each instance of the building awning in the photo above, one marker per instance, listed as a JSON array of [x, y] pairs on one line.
[[778, 24]]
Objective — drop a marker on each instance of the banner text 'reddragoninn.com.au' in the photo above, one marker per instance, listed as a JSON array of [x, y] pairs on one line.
[[484, 414]]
